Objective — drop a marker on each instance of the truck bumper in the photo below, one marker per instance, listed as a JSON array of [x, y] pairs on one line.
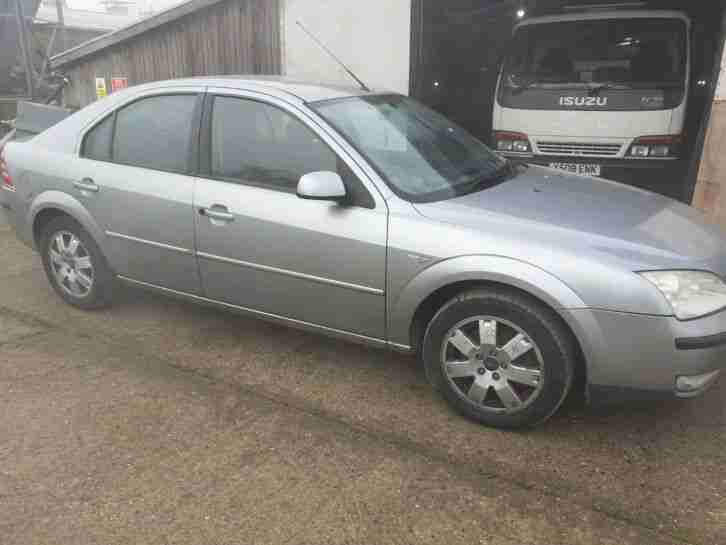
[[629, 171]]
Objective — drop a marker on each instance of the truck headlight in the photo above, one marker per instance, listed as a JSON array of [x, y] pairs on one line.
[[512, 141], [656, 146], [691, 294]]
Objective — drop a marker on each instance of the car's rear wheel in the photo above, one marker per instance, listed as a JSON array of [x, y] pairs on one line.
[[500, 358], [74, 264]]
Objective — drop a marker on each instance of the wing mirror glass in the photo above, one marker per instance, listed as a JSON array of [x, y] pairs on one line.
[[321, 186]]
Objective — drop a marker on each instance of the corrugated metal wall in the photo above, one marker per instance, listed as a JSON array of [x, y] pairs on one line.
[[233, 37]]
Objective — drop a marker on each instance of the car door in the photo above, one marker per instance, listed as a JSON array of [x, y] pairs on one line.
[[136, 177], [261, 247]]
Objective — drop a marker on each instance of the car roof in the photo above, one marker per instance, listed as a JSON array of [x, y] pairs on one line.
[[304, 91]]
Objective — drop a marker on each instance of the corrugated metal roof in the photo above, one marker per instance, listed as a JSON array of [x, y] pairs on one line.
[[126, 33], [84, 19]]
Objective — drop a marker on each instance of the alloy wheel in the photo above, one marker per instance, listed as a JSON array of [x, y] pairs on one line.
[[493, 364], [71, 264]]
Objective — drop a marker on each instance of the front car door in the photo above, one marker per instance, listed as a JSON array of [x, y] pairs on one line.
[[263, 248], [136, 177]]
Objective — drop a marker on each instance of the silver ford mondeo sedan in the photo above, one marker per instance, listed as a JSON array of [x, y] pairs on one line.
[[369, 217]]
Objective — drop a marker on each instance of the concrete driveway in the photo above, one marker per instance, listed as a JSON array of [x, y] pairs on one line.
[[162, 422]]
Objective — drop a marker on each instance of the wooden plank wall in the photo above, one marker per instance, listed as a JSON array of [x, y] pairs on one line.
[[233, 37], [710, 193]]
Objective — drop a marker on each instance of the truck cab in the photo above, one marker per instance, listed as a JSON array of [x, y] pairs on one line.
[[598, 93]]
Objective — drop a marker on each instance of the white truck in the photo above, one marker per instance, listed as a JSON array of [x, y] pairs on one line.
[[595, 92]]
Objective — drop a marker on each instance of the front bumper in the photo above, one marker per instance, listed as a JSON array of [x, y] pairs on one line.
[[640, 356]]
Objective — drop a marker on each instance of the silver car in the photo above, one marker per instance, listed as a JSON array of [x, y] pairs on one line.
[[369, 217]]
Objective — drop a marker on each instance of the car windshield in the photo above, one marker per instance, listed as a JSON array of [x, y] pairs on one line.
[[422, 155], [625, 53]]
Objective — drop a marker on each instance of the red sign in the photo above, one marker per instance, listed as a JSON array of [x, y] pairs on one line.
[[119, 83]]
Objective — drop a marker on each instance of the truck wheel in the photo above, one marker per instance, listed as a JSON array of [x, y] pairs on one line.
[[499, 358]]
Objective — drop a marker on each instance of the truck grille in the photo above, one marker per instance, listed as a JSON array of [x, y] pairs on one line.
[[578, 149]]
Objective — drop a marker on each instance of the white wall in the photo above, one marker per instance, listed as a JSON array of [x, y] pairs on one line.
[[721, 89], [372, 37]]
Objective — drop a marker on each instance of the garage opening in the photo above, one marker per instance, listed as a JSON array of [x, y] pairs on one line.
[[617, 89]]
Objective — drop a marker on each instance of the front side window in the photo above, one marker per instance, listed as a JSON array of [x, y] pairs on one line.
[[156, 133], [630, 64], [422, 155], [255, 142]]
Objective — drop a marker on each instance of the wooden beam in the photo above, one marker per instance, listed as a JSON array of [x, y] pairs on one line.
[[60, 24], [24, 47]]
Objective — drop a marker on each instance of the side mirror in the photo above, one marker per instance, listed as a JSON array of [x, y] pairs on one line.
[[321, 186]]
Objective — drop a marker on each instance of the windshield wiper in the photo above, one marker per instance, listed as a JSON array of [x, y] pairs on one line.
[[658, 85], [506, 171], [597, 89], [518, 89]]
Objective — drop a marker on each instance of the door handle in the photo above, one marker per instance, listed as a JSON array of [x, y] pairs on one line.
[[217, 212], [86, 184]]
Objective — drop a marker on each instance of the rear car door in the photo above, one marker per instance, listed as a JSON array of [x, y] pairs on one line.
[[137, 180], [261, 247]]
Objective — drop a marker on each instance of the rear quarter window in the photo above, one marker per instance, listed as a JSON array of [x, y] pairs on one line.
[[97, 143]]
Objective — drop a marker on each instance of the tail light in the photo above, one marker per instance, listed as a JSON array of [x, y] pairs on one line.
[[656, 147], [512, 141], [7, 181]]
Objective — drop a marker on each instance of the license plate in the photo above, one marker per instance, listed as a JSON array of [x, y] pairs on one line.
[[578, 168]]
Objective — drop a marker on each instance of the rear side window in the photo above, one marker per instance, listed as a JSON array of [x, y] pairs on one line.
[[97, 144], [155, 133]]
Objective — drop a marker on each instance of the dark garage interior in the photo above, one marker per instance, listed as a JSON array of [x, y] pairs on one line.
[[458, 46]]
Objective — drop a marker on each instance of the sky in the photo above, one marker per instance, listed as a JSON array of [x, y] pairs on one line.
[[156, 5]]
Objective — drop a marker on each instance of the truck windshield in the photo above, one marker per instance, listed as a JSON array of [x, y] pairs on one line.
[[422, 155], [599, 57]]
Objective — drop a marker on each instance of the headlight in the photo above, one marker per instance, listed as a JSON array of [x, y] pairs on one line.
[[512, 141], [656, 146], [691, 294]]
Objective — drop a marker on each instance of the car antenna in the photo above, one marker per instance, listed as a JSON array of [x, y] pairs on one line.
[[329, 52]]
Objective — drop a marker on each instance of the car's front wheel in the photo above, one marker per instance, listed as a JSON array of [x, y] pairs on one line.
[[74, 264], [499, 357]]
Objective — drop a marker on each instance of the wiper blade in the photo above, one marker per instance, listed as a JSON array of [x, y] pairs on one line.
[[521, 88], [505, 171], [596, 90], [523, 84], [658, 85]]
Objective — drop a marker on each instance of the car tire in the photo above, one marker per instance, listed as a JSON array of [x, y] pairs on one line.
[[499, 357], [75, 266]]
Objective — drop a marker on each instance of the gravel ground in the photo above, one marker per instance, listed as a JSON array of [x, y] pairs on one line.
[[162, 422]]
